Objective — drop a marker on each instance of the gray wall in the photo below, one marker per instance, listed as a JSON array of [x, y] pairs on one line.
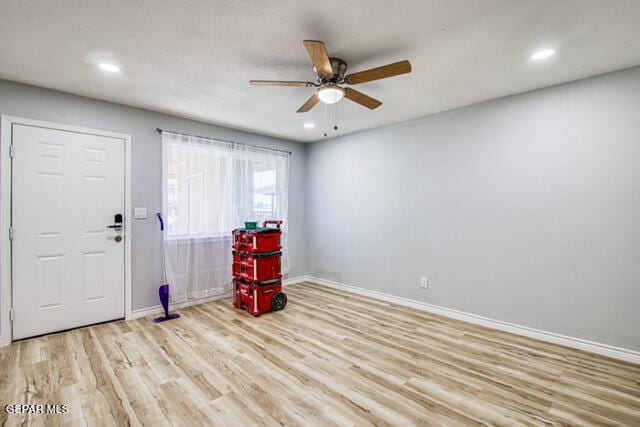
[[42, 104], [524, 209]]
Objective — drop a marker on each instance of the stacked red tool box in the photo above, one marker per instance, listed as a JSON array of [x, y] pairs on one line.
[[257, 280]]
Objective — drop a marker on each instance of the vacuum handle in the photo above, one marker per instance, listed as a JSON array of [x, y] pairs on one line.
[[277, 222], [161, 221]]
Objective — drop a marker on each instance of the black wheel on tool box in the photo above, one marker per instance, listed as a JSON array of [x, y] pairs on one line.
[[279, 301]]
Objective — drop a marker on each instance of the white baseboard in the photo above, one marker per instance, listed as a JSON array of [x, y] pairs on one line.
[[577, 343], [157, 309], [293, 280]]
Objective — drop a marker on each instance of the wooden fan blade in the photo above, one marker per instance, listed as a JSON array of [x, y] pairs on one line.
[[378, 73], [278, 83], [361, 98], [311, 102], [319, 56]]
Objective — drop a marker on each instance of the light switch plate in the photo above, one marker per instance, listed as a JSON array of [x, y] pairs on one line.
[[140, 213]]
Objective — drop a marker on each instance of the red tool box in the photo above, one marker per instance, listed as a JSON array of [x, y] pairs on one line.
[[264, 239], [257, 267], [258, 298], [257, 284]]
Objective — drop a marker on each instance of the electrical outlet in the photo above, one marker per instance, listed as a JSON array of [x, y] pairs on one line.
[[424, 282]]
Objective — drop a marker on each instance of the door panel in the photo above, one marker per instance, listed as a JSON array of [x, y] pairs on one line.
[[95, 276], [68, 268], [50, 289]]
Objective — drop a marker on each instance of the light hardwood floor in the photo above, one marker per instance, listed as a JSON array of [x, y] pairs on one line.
[[330, 358]]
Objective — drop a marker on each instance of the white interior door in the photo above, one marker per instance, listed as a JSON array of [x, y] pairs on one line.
[[68, 265]]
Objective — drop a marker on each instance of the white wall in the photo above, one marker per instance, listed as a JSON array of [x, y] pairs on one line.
[[36, 103], [524, 209]]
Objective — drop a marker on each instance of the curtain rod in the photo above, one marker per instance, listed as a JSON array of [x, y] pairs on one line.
[[160, 130]]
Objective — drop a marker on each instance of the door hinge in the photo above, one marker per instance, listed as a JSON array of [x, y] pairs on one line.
[[11, 314], [12, 151], [11, 233]]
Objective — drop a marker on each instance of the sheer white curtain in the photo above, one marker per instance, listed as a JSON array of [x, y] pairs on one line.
[[209, 188], [261, 189]]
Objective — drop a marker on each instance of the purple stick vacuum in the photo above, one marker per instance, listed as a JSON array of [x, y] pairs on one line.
[[163, 292]]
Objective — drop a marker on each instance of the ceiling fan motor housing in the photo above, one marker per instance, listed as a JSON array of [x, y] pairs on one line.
[[339, 71]]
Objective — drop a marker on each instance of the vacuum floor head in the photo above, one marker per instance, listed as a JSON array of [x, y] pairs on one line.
[[163, 292]]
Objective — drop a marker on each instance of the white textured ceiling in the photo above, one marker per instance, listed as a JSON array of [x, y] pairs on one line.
[[194, 58]]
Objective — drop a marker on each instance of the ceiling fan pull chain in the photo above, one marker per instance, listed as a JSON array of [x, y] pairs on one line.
[[325, 121]]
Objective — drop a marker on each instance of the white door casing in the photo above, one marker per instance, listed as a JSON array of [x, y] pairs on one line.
[[68, 269]]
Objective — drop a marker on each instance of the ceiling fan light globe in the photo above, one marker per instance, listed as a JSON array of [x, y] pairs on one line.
[[330, 94]]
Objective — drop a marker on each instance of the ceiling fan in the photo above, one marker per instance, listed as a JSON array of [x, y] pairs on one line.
[[332, 72]]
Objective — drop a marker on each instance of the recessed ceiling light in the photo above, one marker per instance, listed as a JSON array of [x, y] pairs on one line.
[[542, 54], [309, 125], [106, 66]]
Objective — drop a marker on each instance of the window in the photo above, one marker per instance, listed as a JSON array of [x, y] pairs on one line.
[[211, 187], [195, 189], [264, 194]]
